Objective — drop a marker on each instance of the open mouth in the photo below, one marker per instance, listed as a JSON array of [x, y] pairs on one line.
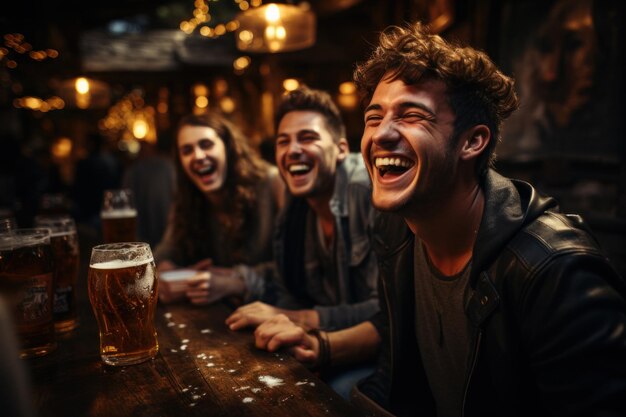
[[392, 166], [299, 169], [205, 170]]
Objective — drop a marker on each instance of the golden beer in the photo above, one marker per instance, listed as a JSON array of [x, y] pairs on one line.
[[118, 216], [122, 286], [27, 281], [64, 244], [119, 225]]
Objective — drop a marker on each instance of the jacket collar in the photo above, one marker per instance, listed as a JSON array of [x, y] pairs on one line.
[[350, 168], [345, 170], [509, 206]]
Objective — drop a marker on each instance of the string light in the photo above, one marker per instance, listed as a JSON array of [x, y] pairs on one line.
[[39, 104], [129, 120], [16, 43], [202, 17]]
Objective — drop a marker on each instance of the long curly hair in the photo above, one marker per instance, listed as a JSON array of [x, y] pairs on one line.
[[478, 92], [236, 198]]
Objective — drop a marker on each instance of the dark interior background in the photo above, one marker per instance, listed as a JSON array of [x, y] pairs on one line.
[[567, 58]]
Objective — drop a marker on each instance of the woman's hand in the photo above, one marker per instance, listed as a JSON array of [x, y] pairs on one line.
[[202, 265], [166, 265], [207, 287]]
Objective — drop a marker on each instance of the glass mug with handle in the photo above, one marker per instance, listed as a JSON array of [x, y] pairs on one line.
[[122, 285], [118, 216], [27, 281], [65, 250]]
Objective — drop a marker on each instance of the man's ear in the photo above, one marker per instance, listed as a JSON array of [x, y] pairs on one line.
[[344, 149], [475, 140]]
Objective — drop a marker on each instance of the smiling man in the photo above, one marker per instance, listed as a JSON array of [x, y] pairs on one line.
[[326, 268], [493, 303]]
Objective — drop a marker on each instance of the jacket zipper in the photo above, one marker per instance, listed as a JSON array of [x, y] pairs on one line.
[[469, 378]]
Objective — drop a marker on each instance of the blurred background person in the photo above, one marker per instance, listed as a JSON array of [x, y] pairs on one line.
[[22, 181], [557, 81], [99, 171], [223, 214], [152, 179]]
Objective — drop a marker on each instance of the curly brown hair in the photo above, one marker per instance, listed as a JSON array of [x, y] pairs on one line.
[[193, 210], [478, 92]]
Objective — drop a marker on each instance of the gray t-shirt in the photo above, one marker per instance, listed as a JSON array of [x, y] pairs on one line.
[[442, 330], [321, 266]]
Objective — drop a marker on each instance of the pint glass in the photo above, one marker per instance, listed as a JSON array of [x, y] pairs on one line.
[[64, 244], [118, 216], [122, 286], [27, 281]]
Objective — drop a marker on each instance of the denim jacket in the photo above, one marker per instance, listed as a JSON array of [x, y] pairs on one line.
[[355, 260]]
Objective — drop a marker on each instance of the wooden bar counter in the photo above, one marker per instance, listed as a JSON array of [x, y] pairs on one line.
[[202, 369]]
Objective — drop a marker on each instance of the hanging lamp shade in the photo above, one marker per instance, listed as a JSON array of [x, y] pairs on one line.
[[275, 28]]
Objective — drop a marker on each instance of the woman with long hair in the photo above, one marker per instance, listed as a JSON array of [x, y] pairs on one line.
[[222, 219]]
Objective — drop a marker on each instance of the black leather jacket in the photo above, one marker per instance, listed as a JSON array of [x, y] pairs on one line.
[[548, 308]]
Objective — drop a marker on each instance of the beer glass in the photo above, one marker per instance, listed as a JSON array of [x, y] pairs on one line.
[[122, 287], [118, 216], [27, 281], [64, 243]]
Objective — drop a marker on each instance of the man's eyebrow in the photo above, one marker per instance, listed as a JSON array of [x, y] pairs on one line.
[[410, 104], [373, 107], [307, 131], [403, 106], [299, 133]]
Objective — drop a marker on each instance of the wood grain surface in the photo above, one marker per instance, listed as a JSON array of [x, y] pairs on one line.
[[202, 369]]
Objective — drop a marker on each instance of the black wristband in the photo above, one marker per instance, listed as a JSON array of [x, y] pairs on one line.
[[323, 359]]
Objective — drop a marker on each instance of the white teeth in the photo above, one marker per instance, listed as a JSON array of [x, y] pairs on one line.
[[205, 169], [380, 162], [298, 168]]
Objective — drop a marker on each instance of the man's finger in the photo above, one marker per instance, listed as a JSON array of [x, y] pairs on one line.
[[239, 323], [302, 353]]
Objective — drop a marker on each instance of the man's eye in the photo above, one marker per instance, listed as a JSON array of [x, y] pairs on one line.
[[413, 117], [372, 119], [308, 138], [282, 142]]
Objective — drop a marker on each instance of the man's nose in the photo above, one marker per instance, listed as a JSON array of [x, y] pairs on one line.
[[294, 148], [385, 132]]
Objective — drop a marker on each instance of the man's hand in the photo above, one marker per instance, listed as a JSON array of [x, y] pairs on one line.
[[214, 284], [280, 332], [251, 315]]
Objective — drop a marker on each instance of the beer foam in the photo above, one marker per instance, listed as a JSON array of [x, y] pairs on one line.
[[118, 214], [59, 234], [119, 264], [10, 240]]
